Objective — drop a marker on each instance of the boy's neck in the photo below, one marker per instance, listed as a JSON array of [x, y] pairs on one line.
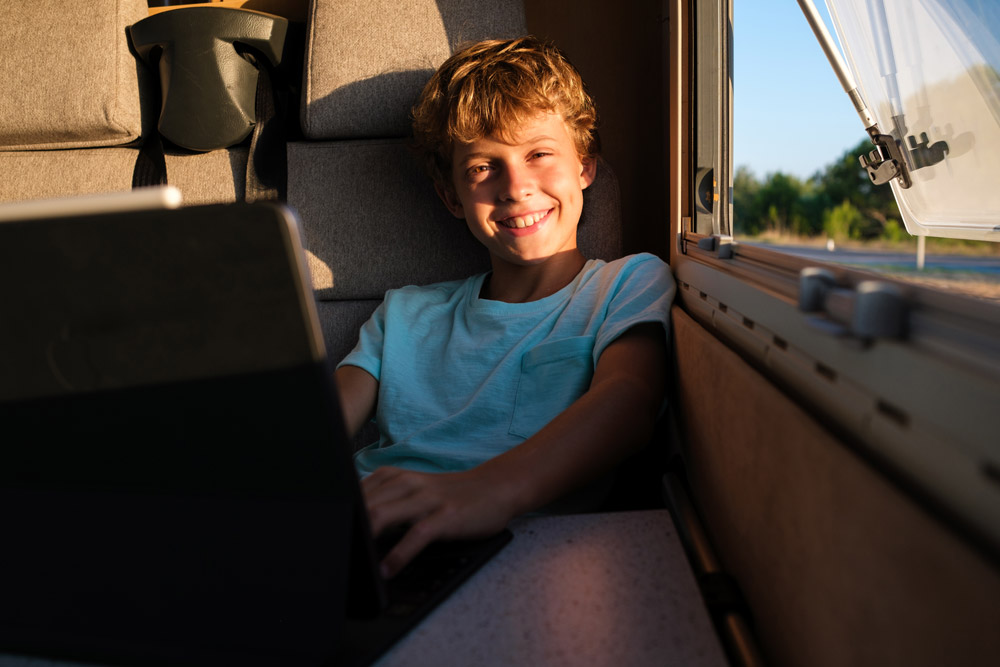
[[517, 283]]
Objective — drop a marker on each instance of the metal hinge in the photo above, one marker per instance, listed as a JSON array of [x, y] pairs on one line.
[[886, 161]]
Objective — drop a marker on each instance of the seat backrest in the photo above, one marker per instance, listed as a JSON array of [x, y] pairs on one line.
[[69, 79], [371, 219]]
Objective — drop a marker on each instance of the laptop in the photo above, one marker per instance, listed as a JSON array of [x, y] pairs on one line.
[[176, 486]]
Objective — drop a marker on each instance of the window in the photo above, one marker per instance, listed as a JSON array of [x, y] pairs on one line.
[[907, 373], [928, 72]]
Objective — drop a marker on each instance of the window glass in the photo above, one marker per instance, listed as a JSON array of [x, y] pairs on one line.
[[798, 184], [928, 70]]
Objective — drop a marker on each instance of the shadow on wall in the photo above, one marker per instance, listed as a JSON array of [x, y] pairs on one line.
[[389, 98]]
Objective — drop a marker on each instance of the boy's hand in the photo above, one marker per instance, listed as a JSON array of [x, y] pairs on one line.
[[436, 505]]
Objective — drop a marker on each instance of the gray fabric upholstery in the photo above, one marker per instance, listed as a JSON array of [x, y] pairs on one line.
[[341, 321], [205, 178], [371, 220], [366, 62], [69, 78], [600, 233]]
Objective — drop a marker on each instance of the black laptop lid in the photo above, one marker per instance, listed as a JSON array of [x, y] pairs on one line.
[[176, 483]]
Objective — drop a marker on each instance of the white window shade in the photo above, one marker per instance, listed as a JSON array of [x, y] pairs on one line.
[[929, 71]]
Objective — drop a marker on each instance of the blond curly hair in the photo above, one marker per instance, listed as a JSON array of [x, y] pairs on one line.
[[491, 88]]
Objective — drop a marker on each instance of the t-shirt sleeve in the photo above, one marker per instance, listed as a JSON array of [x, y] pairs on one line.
[[641, 292], [367, 354]]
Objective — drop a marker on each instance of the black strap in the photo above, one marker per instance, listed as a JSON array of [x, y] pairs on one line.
[[267, 164], [150, 165]]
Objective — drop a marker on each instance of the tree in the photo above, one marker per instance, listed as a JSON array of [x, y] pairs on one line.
[[845, 180], [746, 211], [843, 222], [785, 204], [780, 197]]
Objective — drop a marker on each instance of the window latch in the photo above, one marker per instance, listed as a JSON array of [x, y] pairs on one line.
[[885, 162], [872, 309]]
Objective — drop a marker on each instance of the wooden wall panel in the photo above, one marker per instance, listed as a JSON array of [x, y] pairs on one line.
[[838, 565]]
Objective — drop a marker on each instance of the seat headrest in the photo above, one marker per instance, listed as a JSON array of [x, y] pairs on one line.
[[367, 60]]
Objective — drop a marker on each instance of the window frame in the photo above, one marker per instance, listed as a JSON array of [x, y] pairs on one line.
[[923, 407]]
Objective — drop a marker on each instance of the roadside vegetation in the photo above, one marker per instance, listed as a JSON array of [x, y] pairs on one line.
[[838, 203], [838, 207]]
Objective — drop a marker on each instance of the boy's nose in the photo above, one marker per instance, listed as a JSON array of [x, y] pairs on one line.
[[516, 184]]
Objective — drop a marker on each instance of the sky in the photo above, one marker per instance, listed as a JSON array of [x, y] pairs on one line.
[[790, 112]]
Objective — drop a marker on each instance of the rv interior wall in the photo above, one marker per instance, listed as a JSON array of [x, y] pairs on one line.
[[840, 567], [618, 48], [839, 563]]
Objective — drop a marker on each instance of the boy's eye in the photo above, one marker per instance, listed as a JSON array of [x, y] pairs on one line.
[[477, 171]]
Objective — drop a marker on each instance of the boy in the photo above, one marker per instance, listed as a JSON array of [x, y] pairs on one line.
[[498, 394]]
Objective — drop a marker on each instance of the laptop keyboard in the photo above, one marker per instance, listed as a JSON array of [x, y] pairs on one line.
[[413, 593], [437, 571]]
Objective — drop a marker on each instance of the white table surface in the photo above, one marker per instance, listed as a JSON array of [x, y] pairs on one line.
[[588, 589]]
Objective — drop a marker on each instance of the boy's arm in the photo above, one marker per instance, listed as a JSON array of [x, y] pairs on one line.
[[614, 418], [358, 392]]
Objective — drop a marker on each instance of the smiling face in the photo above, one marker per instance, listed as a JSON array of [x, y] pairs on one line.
[[522, 199]]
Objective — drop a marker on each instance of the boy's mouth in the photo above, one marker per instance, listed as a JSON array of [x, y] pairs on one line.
[[522, 221]]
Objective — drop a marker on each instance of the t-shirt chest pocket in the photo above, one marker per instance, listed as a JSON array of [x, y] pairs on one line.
[[553, 375]]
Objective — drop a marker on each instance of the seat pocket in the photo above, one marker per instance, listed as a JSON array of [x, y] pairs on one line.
[[553, 375]]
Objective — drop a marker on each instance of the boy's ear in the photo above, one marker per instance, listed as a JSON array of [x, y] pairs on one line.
[[589, 172], [450, 199]]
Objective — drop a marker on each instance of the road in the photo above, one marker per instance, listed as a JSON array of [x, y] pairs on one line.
[[988, 267]]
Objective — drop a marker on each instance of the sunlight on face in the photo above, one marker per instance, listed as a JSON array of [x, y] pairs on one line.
[[522, 199]]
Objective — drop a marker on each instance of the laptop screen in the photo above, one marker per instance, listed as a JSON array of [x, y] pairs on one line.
[[176, 482]]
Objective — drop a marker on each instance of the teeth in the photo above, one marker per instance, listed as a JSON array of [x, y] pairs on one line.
[[520, 222]]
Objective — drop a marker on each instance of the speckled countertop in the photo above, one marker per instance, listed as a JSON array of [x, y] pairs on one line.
[[589, 589]]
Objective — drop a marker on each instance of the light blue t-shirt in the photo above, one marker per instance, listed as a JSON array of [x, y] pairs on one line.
[[463, 379]]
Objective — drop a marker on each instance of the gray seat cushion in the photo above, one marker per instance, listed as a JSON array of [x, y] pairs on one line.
[[69, 78], [203, 178]]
